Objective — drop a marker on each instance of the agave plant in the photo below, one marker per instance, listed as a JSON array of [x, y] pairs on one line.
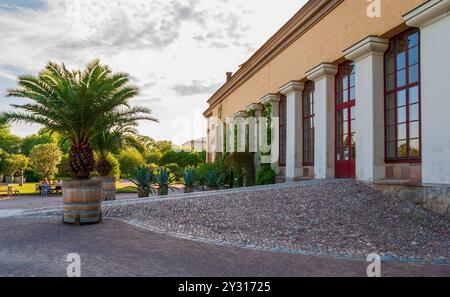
[[165, 180], [213, 179], [78, 105], [143, 178], [189, 179]]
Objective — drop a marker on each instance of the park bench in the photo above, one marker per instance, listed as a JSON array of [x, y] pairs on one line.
[[8, 190]]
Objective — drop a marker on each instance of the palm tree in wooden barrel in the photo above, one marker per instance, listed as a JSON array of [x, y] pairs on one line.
[[110, 142], [78, 105]]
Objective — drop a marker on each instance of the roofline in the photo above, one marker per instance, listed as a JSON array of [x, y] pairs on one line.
[[312, 12]]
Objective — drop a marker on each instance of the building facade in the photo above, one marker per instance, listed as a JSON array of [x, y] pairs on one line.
[[361, 89]]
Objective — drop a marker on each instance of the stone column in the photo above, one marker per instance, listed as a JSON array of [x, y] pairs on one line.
[[255, 109], [433, 19], [274, 101], [324, 99], [368, 56], [294, 153], [240, 121]]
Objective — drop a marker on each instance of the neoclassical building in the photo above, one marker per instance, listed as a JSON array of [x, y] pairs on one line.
[[359, 92]]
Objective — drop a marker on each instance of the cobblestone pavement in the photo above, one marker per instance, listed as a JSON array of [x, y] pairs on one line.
[[342, 219], [39, 247]]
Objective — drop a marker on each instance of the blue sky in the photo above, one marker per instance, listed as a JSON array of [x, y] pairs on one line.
[[177, 51]]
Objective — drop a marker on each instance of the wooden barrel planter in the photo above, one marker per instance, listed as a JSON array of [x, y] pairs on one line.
[[109, 187], [82, 201]]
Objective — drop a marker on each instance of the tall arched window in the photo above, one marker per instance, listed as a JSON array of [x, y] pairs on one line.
[[402, 98], [308, 124]]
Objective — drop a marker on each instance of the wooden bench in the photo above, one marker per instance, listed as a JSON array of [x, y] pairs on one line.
[[8, 191]]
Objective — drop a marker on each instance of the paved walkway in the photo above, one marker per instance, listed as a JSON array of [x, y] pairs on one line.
[[315, 228], [39, 247]]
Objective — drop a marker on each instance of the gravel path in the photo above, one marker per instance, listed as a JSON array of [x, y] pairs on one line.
[[342, 219], [39, 247]]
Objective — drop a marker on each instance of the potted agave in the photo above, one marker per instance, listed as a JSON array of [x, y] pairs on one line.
[[213, 180], [143, 178], [77, 105], [164, 180], [189, 179]]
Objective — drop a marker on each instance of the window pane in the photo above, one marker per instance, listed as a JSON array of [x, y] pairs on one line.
[[413, 95], [401, 59], [346, 154], [390, 133], [401, 149], [390, 117], [401, 132], [345, 96], [401, 78], [352, 80], [401, 98], [352, 112], [345, 114], [414, 130], [413, 56], [339, 116], [413, 40], [345, 82], [345, 140], [352, 93], [345, 126], [390, 65], [414, 112], [390, 101], [414, 74], [391, 149], [401, 115], [414, 149], [390, 82]]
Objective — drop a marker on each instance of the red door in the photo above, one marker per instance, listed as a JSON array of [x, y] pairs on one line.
[[345, 119]]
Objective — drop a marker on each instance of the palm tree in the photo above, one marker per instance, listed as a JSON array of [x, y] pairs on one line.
[[78, 105], [112, 142]]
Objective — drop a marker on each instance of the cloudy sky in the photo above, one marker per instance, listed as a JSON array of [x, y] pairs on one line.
[[177, 51]]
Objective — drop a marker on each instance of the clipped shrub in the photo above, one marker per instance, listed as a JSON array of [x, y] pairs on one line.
[[153, 157], [183, 159], [265, 175], [128, 160]]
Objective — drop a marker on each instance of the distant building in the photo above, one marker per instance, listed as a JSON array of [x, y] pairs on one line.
[[195, 145]]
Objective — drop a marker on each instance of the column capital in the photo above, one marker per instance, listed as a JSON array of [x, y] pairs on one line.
[[292, 86], [321, 70], [241, 114], [255, 107], [270, 98], [427, 13], [367, 46]]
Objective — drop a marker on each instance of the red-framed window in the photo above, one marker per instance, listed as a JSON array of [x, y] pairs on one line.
[[282, 113], [402, 98], [345, 112], [308, 124]]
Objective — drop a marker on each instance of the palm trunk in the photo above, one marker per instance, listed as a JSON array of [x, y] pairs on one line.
[[82, 161]]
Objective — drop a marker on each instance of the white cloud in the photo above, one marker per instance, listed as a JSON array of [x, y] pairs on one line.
[[177, 51]]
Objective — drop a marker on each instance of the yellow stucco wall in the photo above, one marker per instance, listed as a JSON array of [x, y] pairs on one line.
[[347, 24]]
